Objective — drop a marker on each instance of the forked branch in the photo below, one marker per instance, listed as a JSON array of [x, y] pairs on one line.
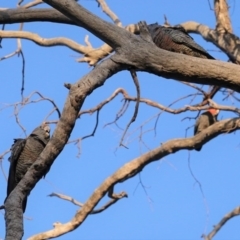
[[135, 166]]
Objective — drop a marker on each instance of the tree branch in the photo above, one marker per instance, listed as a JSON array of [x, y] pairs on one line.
[[135, 166], [115, 198], [59, 41], [136, 83], [227, 42], [222, 17], [91, 22], [162, 63], [110, 13], [235, 212], [177, 66], [78, 93], [11, 16]]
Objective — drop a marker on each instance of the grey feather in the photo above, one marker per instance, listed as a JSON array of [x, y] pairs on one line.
[[176, 39], [24, 152], [204, 121]]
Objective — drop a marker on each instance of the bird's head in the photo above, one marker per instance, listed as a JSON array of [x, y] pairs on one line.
[[42, 132], [213, 111], [46, 129]]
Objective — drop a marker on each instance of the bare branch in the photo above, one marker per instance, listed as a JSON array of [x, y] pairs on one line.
[[67, 198], [19, 2], [196, 87], [163, 63], [136, 82], [77, 94], [154, 104], [60, 41], [135, 166], [16, 112], [1, 159], [32, 4], [95, 128], [110, 13], [222, 16], [230, 47], [23, 72], [119, 114], [115, 198], [18, 51], [235, 212], [166, 23], [18, 106], [79, 140]]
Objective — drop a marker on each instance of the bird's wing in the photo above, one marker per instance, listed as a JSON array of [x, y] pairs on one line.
[[16, 150], [196, 126], [179, 35]]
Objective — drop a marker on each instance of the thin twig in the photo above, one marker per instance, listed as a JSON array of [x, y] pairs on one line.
[[136, 82], [115, 198], [201, 190], [109, 12], [235, 212], [95, 128], [23, 72], [1, 158]]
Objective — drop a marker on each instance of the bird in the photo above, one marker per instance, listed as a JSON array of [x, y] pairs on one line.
[[176, 39], [205, 120], [24, 152]]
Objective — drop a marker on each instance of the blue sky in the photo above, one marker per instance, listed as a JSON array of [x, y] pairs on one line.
[[172, 205]]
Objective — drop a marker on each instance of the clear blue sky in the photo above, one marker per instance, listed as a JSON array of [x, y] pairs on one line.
[[172, 207]]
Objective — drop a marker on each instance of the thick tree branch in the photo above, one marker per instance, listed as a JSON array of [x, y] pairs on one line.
[[228, 42], [135, 166], [164, 63], [181, 67], [177, 66], [11, 16], [78, 93], [91, 22], [91, 55]]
